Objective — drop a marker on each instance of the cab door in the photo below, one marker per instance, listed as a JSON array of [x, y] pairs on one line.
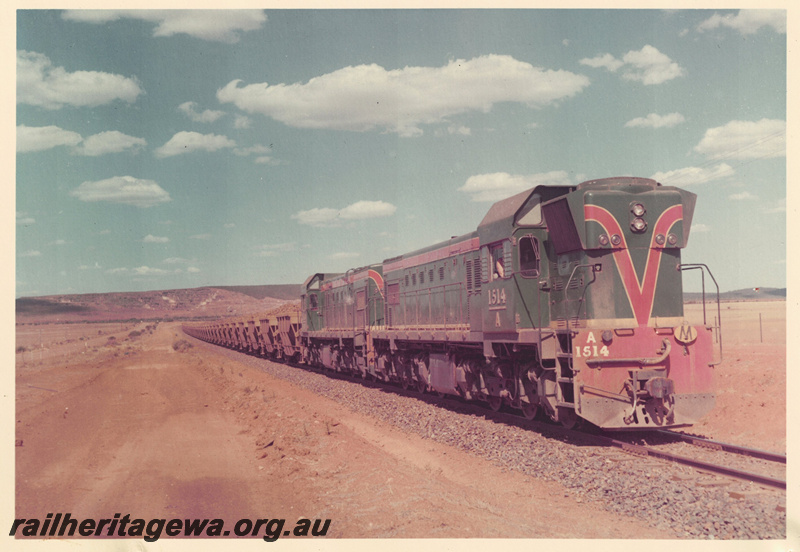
[[496, 271], [531, 283]]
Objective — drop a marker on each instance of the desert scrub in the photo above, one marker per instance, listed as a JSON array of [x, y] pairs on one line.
[[181, 345]]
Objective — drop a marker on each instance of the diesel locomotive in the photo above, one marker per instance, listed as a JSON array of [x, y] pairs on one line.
[[565, 301]]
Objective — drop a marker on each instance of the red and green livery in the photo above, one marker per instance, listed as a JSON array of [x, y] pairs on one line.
[[566, 301]]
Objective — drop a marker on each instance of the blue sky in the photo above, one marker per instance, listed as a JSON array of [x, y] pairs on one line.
[[163, 150]]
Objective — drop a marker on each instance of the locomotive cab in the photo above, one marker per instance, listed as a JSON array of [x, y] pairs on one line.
[[629, 359]]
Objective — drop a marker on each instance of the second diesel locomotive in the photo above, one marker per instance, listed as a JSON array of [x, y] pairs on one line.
[[566, 300]]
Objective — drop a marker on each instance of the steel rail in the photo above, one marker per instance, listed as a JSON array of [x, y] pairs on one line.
[[727, 447], [699, 464]]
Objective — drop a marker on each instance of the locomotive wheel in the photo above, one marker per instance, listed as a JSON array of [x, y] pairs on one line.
[[404, 382], [529, 410], [568, 418], [494, 402], [421, 386]]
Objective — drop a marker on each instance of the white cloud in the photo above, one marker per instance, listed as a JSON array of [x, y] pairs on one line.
[[777, 207], [360, 210], [44, 138], [747, 21], [273, 249], [700, 227], [742, 196], [116, 270], [241, 121], [455, 130], [150, 238], [206, 116], [693, 175], [648, 65], [368, 97], [31, 253], [122, 189], [59, 242], [605, 60], [214, 25], [343, 255], [229, 225], [193, 270], [367, 209], [41, 84], [745, 140], [176, 260], [266, 160], [324, 216], [31, 139], [261, 154], [111, 141], [24, 220], [654, 120], [497, 186], [147, 271], [258, 149], [187, 142]]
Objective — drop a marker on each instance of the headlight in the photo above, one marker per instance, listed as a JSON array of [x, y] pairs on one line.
[[672, 239], [637, 209], [638, 225]]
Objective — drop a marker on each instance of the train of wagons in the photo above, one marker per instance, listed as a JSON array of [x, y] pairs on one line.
[[567, 301]]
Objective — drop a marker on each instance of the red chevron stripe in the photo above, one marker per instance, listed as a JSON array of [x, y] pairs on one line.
[[641, 294]]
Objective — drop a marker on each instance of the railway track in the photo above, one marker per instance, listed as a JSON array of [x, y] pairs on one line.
[[727, 447], [625, 444], [703, 465]]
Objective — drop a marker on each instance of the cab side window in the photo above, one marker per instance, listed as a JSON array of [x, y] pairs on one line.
[[529, 257], [498, 263]]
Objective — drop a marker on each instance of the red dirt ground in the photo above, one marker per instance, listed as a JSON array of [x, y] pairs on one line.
[[130, 425]]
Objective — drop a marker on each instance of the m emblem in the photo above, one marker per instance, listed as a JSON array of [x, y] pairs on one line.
[[685, 334]]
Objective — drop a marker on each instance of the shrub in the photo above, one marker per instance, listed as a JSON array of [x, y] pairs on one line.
[[181, 345]]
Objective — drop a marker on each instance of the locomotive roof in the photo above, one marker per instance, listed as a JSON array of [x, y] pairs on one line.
[[320, 276], [619, 181], [499, 221], [451, 243]]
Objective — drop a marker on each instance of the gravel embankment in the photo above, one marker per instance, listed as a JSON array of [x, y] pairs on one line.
[[680, 501]]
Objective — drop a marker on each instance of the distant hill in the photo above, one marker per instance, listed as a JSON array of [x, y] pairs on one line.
[[176, 304], [222, 302], [286, 292], [748, 294]]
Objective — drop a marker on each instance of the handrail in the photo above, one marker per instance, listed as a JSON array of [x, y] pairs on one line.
[[703, 268]]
